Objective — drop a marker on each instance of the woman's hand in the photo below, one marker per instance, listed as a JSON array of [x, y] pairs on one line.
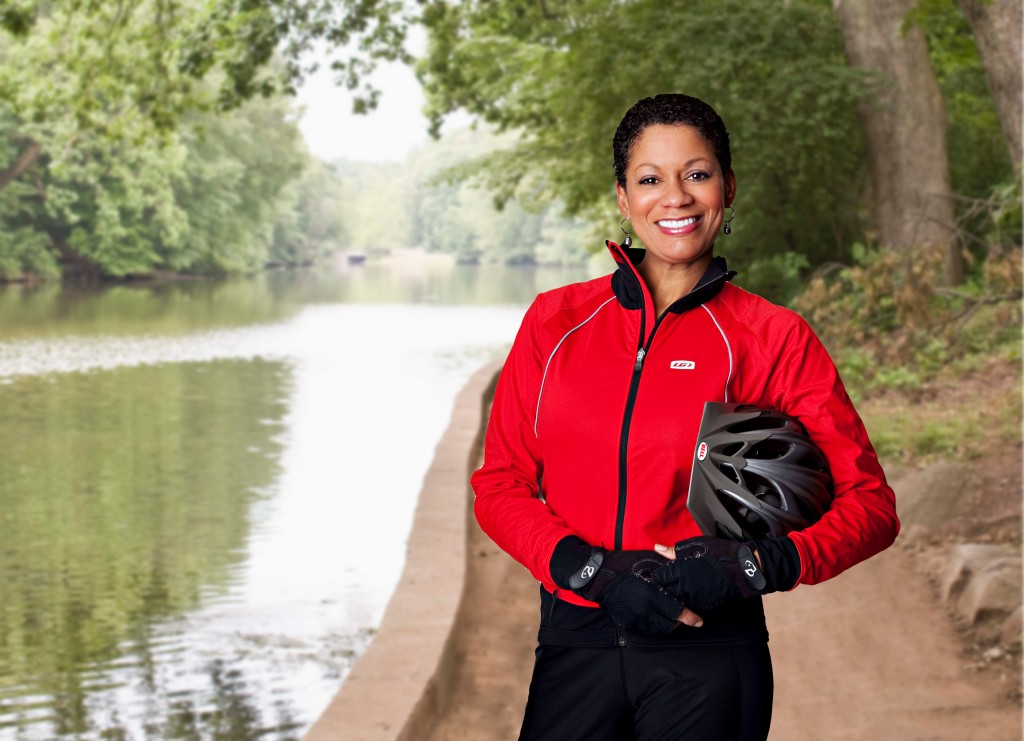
[[687, 616], [710, 572]]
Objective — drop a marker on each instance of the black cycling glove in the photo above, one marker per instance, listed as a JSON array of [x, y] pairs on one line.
[[620, 581], [709, 572]]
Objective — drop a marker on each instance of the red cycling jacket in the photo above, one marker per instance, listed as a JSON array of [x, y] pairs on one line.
[[597, 409]]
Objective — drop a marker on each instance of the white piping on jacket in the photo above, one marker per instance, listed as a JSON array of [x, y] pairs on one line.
[[540, 394], [728, 348]]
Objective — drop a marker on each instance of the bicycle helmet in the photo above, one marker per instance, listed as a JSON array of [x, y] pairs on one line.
[[755, 474]]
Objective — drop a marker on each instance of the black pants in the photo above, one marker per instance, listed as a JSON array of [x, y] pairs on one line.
[[689, 693]]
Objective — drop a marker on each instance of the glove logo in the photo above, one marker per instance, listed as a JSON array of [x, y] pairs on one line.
[[702, 451], [750, 569], [588, 572]]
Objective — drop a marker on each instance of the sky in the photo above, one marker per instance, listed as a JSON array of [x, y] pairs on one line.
[[388, 133]]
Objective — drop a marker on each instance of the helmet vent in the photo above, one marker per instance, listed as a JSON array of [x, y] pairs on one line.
[[753, 525], [766, 492], [769, 449], [758, 424], [732, 449], [729, 470]]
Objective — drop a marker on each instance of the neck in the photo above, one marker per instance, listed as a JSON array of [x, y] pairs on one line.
[[668, 283]]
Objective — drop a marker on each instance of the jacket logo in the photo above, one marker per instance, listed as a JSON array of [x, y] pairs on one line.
[[683, 365]]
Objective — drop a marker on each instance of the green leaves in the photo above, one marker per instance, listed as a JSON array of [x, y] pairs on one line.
[[132, 168]]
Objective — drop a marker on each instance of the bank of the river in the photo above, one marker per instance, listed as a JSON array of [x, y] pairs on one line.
[[871, 654]]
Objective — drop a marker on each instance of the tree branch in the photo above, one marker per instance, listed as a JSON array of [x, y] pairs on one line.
[[25, 161]]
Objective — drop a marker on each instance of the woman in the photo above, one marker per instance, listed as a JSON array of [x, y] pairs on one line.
[[589, 449]]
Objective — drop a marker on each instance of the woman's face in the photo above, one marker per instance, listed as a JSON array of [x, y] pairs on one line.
[[675, 195]]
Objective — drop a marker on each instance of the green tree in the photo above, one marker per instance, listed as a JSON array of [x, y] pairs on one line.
[[562, 77], [99, 105], [981, 169], [72, 70], [309, 220]]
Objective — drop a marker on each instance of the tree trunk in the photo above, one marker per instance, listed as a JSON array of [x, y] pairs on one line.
[[996, 25], [905, 125], [25, 161]]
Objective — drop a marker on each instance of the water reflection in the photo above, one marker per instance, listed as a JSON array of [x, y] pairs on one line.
[[192, 477], [203, 304], [131, 492]]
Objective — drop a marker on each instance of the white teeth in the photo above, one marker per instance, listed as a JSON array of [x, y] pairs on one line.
[[676, 223]]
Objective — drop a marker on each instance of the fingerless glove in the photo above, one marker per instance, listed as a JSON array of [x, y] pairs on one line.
[[620, 581], [710, 572]]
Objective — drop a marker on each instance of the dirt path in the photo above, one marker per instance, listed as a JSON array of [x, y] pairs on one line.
[[869, 655]]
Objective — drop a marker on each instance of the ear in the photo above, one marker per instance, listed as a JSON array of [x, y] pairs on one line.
[[623, 200], [730, 187]]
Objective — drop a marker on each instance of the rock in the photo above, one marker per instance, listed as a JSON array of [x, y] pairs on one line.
[[1012, 630], [991, 595], [963, 562], [935, 496], [993, 654]]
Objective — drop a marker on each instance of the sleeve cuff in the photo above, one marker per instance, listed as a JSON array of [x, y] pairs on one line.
[[780, 562], [570, 554]]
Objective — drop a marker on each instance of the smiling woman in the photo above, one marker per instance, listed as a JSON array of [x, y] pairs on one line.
[[590, 447]]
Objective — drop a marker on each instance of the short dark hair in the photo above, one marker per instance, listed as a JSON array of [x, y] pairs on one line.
[[672, 109]]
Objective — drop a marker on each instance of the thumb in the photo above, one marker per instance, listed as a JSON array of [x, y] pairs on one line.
[[664, 550]]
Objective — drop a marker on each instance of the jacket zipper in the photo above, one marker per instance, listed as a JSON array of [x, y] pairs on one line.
[[634, 387]]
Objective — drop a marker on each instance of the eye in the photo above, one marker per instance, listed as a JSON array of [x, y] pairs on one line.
[[699, 175], [648, 180]]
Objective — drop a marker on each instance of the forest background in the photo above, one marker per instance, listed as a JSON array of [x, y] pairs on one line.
[[877, 146]]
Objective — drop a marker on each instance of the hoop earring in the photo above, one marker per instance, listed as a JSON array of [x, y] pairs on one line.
[[628, 241], [727, 230]]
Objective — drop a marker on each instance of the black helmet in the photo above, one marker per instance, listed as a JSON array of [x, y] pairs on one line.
[[756, 474]]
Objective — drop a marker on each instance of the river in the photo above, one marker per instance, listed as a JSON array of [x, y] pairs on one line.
[[206, 486]]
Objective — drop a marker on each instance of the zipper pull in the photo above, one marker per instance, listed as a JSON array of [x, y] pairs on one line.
[[639, 359]]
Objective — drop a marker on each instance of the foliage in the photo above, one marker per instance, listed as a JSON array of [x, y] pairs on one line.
[[889, 324], [309, 222], [562, 76], [236, 170], [208, 197], [108, 59], [127, 140], [421, 203]]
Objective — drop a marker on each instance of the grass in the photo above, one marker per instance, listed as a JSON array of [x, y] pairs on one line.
[[957, 416]]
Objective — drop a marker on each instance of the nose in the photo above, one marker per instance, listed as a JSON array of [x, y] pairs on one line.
[[677, 193]]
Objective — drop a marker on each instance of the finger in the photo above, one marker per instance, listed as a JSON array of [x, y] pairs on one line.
[[689, 617], [664, 550]]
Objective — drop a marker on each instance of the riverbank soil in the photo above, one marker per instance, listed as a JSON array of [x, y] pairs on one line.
[[872, 654]]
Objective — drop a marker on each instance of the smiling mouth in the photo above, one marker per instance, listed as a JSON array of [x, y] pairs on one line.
[[676, 223]]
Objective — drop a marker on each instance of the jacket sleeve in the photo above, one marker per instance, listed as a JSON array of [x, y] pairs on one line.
[[508, 502], [862, 520]]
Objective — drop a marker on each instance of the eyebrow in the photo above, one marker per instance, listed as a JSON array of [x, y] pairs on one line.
[[685, 164]]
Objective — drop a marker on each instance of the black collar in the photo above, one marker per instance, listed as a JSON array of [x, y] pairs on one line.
[[629, 288]]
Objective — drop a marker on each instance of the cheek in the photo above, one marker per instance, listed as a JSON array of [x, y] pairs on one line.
[[641, 205]]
